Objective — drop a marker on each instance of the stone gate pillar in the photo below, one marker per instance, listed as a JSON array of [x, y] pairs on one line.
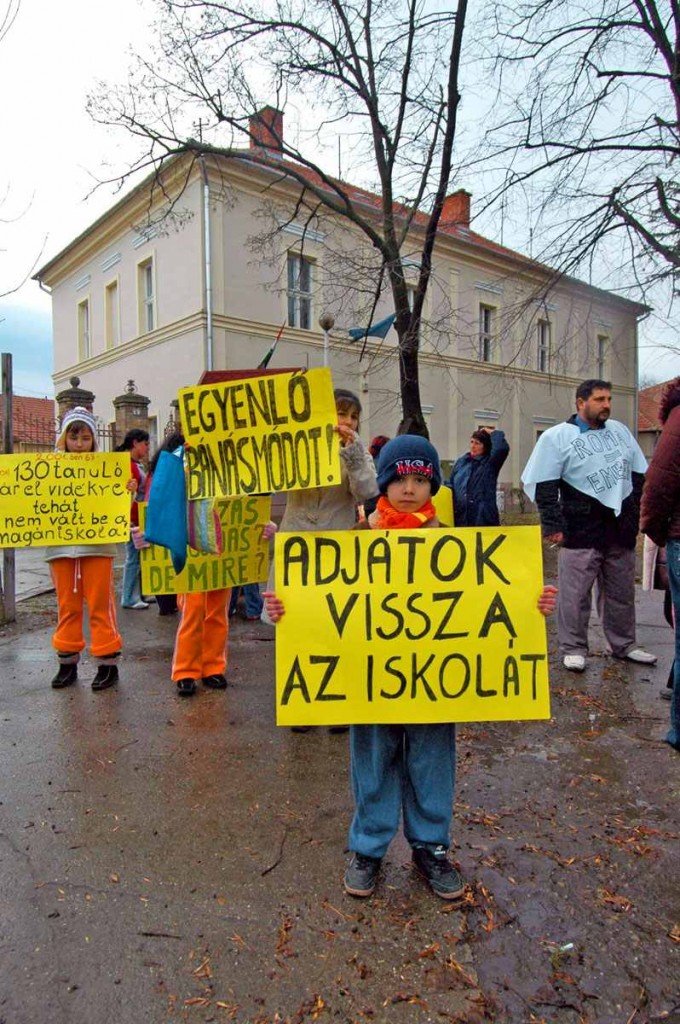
[[131, 411], [73, 396]]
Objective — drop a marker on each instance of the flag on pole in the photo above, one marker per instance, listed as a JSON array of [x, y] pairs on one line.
[[264, 362], [378, 330]]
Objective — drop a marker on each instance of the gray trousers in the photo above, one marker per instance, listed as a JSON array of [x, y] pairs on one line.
[[614, 572]]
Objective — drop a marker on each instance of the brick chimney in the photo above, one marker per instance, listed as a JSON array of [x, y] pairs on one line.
[[266, 129], [456, 208]]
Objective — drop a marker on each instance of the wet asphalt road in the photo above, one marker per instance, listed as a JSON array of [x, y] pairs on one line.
[[165, 859]]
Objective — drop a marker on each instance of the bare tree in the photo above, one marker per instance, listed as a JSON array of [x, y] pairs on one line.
[[7, 18], [589, 127], [386, 70]]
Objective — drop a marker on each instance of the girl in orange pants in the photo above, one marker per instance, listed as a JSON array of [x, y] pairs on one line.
[[79, 581], [83, 575], [201, 641], [202, 636]]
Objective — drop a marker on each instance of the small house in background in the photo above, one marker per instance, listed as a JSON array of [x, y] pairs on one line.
[[34, 423], [649, 424]]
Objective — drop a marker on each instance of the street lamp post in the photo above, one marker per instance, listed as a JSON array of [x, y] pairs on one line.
[[326, 323]]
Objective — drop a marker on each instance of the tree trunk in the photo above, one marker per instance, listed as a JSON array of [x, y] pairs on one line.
[[413, 421]]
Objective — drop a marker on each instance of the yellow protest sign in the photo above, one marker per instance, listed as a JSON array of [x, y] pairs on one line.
[[49, 498], [245, 558], [443, 502], [410, 626], [261, 434]]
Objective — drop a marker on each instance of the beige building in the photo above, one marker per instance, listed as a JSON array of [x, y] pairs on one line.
[[157, 297]]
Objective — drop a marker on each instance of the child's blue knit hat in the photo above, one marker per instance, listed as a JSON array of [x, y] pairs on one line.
[[408, 454]]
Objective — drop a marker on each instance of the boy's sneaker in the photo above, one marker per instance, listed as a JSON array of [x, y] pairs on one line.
[[434, 865], [361, 875], [66, 675], [107, 675], [640, 657], [574, 662]]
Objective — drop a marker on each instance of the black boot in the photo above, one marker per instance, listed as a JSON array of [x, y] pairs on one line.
[[215, 682], [66, 676], [107, 675]]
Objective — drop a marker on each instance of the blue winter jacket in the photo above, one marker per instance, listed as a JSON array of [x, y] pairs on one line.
[[473, 481]]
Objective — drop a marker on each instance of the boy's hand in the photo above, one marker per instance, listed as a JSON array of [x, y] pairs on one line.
[[132, 484], [347, 435], [547, 600], [273, 606], [269, 529]]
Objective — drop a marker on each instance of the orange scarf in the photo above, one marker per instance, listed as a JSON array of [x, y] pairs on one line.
[[386, 516]]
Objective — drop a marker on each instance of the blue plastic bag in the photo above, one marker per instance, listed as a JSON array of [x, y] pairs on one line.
[[166, 514]]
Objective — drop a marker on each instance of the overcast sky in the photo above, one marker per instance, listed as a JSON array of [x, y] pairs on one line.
[[52, 154], [52, 157]]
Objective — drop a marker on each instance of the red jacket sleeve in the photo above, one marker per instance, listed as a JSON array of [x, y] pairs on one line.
[[661, 493]]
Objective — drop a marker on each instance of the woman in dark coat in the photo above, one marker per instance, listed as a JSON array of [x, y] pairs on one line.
[[474, 477], [660, 520]]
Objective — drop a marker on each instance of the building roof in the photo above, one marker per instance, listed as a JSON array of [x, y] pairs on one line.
[[454, 230], [648, 407], [272, 163], [33, 419]]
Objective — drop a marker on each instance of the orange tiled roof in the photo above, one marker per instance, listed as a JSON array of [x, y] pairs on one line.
[[266, 158], [648, 407], [33, 419], [360, 195]]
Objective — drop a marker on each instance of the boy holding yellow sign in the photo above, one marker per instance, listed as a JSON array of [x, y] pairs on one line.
[[404, 769]]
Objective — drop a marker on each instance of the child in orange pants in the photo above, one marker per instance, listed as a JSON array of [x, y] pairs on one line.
[[201, 642], [202, 637], [83, 575]]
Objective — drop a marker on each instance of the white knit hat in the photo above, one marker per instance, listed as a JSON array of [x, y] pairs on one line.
[[73, 416]]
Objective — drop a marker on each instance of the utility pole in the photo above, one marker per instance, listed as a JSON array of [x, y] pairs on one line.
[[326, 323], [8, 606]]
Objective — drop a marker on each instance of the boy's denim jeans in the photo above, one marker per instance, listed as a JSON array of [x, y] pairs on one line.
[[404, 770], [673, 558], [132, 576], [251, 597]]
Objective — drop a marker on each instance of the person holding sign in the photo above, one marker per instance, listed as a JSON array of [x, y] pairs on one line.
[[136, 442], [167, 603], [202, 637], [404, 770], [333, 508], [586, 477], [83, 575]]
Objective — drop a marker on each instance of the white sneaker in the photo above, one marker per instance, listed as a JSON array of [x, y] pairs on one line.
[[641, 657], [574, 662]]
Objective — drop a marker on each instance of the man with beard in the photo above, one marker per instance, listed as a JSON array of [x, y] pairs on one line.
[[586, 477]]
